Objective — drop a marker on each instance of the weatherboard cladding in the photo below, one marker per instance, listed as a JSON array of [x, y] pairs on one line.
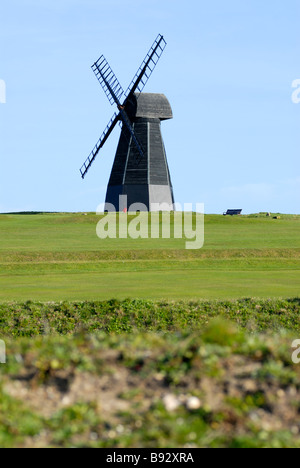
[[117, 173], [130, 168], [158, 164], [137, 167]]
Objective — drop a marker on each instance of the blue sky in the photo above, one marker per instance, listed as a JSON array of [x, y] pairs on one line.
[[227, 71]]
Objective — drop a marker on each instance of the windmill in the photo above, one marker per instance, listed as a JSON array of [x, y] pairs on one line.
[[140, 169]]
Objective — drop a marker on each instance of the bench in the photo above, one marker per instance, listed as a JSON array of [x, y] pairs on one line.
[[232, 212]]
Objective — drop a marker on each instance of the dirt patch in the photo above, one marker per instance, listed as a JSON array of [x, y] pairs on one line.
[[221, 388], [235, 394]]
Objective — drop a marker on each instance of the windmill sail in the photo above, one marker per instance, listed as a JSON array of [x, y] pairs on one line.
[[145, 71], [127, 122], [86, 166], [115, 93], [108, 80]]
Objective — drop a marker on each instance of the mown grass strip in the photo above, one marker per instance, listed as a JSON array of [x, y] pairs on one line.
[[11, 257]]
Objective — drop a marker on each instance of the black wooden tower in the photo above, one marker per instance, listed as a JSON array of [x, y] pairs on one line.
[[140, 169]]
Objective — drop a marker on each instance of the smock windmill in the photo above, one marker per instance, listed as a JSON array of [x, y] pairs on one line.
[[140, 169]]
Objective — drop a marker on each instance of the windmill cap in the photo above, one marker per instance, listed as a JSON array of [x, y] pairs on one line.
[[151, 106]]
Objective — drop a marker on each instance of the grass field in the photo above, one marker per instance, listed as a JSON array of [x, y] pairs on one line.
[[53, 257], [142, 343]]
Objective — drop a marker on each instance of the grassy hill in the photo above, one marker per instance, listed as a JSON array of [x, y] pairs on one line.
[[53, 257]]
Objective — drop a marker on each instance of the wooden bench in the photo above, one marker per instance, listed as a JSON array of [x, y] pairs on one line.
[[232, 212]]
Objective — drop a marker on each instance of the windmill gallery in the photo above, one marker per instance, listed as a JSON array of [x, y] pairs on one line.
[[140, 172]]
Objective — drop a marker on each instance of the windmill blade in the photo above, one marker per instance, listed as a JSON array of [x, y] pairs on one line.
[[127, 122], [145, 71], [108, 80], [86, 166]]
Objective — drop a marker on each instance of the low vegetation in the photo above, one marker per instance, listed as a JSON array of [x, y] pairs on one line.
[[34, 318], [144, 374], [217, 388]]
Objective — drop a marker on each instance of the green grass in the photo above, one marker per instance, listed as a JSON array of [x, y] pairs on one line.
[[215, 325], [51, 257]]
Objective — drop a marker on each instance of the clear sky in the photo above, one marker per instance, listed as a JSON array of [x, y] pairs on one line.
[[227, 71]]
